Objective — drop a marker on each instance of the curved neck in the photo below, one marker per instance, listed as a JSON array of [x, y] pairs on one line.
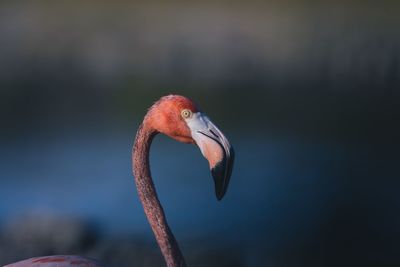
[[148, 196]]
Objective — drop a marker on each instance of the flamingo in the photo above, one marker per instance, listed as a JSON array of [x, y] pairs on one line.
[[179, 118]]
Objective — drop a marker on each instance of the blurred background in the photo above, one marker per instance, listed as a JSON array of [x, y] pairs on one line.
[[308, 93]]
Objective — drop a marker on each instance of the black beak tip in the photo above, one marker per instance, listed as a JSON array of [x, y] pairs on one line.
[[219, 194], [218, 176], [221, 173]]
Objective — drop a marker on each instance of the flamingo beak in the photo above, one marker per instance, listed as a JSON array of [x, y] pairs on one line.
[[216, 148]]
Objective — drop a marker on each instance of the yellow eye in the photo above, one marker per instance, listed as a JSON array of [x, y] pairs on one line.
[[186, 113]]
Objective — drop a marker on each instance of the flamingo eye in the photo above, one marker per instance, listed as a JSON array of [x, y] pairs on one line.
[[186, 113]]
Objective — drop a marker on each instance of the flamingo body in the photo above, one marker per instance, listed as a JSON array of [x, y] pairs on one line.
[[57, 261]]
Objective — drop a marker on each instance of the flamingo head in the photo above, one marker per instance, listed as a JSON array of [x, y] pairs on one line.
[[179, 118]]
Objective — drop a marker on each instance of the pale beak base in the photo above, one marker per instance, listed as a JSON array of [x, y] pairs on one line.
[[216, 148]]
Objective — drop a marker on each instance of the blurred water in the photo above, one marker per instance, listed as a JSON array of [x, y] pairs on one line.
[[274, 182], [285, 193]]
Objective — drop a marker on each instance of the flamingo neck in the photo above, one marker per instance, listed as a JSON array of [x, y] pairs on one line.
[[148, 196]]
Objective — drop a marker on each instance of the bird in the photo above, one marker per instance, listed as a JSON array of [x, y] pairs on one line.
[[181, 119]]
